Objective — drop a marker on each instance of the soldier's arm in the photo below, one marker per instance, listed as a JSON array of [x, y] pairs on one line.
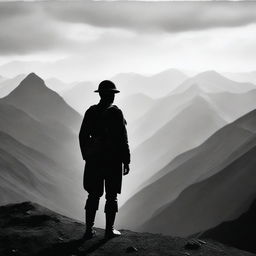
[[126, 157], [84, 133]]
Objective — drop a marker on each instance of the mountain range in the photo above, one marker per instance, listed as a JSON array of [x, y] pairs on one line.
[[163, 193], [132, 86], [239, 232], [39, 141], [154, 86], [173, 139], [32, 96], [222, 192], [167, 107], [162, 132], [81, 96], [8, 85], [213, 82], [246, 77], [40, 128]]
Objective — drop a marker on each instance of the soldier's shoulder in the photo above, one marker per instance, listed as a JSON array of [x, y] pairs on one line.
[[92, 107], [118, 114], [91, 110], [115, 109]]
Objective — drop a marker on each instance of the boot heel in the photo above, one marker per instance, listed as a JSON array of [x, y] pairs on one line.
[[110, 232], [89, 234]]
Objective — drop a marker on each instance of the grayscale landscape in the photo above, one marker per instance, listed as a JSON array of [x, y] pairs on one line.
[[188, 95]]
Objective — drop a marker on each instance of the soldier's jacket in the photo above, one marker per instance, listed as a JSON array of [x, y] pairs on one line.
[[103, 135]]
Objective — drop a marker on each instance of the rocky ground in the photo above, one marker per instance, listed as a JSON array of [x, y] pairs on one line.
[[30, 229]]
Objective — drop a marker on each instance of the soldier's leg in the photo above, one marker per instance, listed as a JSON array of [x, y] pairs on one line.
[[111, 202], [91, 207], [111, 208]]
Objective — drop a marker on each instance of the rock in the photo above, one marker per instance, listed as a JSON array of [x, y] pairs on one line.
[[193, 245], [41, 232], [131, 249]]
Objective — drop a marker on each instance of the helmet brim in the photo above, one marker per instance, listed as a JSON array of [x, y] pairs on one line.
[[114, 91]]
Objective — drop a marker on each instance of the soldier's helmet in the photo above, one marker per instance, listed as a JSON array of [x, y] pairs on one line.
[[107, 86]]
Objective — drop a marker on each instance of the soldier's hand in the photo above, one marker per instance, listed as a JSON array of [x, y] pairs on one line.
[[126, 169]]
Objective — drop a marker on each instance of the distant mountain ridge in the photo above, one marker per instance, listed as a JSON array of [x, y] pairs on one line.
[[9, 84], [222, 196], [208, 203], [240, 232], [200, 163], [33, 97], [39, 118], [154, 86], [166, 107], [41, 138], [242, 76], [213, 82], [27, 174], [189, 128], [81, 96], [155, 142]]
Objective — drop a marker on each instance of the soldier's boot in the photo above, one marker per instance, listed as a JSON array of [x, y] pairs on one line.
[[110, 232], [111, 209], [89, 223], [91, 207]]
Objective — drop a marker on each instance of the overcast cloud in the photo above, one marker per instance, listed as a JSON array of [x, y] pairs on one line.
[[30, 26], [156, 16], [26, 26], [104, 37]]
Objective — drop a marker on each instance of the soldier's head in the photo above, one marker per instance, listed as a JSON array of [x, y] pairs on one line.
[[107, 91]]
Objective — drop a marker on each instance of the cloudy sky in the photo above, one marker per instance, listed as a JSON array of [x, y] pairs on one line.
[[81, 40]]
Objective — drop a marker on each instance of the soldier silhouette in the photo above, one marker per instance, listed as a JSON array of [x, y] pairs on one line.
[[104, 147]]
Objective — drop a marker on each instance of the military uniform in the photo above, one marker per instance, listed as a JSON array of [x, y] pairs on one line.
[[105, 127], [104, 146]]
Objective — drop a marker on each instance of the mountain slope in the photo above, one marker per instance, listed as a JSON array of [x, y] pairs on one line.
[[8, 85], [29, 229], [134, 106], [81, 96], [242, 76], [58, 85], [238, 105], [167, 107], [240, 232], [45, 121], [27, 174], [190, 167], [213, 82], [154, 86], [2, 78], [221, 197], [47, 138], [188, 129], [53, 142], [45, 105]]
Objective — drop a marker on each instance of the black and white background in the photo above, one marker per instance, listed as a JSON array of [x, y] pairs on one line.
[[187, 76]]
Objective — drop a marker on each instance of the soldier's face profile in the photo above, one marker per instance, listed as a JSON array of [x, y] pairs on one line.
[[107, 97]]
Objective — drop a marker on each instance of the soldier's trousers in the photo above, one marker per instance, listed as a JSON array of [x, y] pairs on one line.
[[111, 205], [99, 175]]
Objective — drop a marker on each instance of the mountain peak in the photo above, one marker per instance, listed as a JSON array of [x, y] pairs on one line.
[[32, 85], [33, 77], [209, 74]]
